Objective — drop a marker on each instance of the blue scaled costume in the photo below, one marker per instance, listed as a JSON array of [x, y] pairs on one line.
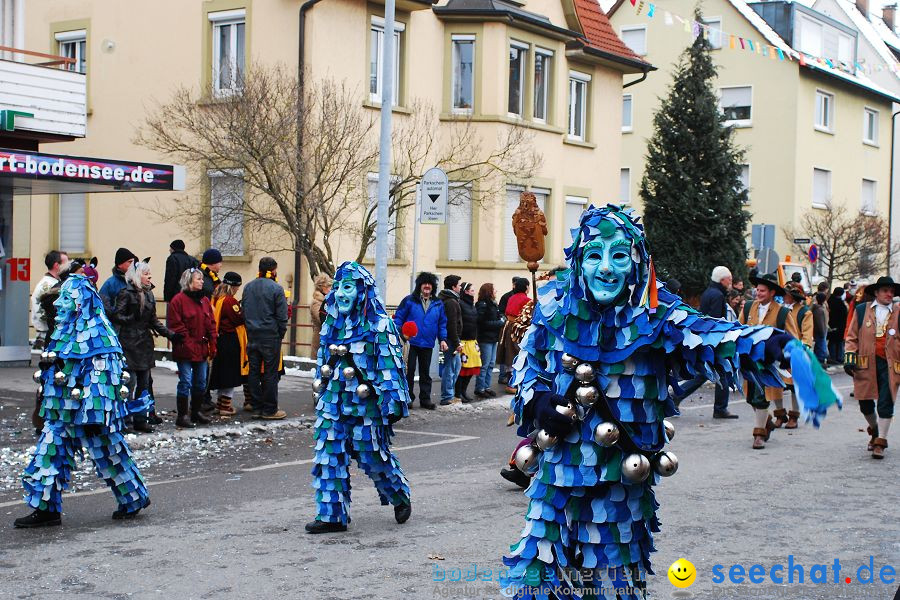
[[83, 406], [361, 391], [588, 529]]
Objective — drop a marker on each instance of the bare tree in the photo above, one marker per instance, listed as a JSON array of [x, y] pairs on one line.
[[292, 200], [477, 171], [850, 244]]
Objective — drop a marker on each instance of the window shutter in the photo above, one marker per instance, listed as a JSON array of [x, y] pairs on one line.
[[459, 225], [72, 223], [226, 215]]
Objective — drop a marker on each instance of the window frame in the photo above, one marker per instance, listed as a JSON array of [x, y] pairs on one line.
[[738, 123], [829, 127], [455, 188], [456, 38], [217, 20], [827, 203], [547, 81], [747, 185], [237, 174], [60, 242], [376, 23], [524, 50], [630, 99], [78, 39], [626, 201], [583, 201], [643, 28], [708, 21], [872, 210], [874, 113], [577, 78]]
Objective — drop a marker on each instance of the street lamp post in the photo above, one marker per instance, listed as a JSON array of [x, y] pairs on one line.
[[384, 151]]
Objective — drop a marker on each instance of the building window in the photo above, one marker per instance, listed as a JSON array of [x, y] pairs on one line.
[[636, 39], [824, 111], [73, 223], [372, 181], [376, 60], [870, 126], [543, 60], [459, 223], [517, 57], [821, 188], [867, 206], [510, 247], [810, 36], [463, 83], [575, 207], [627, 106], [228, 51], [745, 181], [713, 32], [73, 44], [226, 211], [625, 185], [578, 99], [736, 104]]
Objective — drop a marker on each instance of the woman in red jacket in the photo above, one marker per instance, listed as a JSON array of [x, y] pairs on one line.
[[190, 314]]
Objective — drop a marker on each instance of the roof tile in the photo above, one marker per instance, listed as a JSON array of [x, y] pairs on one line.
[[599, 33]]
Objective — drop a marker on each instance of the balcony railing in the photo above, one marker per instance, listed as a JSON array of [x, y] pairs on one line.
[[48, 60]]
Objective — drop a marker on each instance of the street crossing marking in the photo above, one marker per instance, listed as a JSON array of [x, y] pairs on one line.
[[105, 490]]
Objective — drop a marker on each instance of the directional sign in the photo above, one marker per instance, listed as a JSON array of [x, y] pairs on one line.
[[767, 261], [813, 253], [435, 189]]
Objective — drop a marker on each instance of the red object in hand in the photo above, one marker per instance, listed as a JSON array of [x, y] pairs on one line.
[[409, 329]]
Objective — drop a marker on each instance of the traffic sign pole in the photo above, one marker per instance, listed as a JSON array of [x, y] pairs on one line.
[[415, 256]]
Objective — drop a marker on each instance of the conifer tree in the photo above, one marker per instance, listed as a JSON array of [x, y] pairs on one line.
[[692, 191]]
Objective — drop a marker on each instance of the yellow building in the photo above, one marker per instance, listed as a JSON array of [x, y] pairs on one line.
[[815, 135], [554, 67]]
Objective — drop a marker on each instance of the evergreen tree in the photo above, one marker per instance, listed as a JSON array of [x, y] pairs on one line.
[[692, 191]]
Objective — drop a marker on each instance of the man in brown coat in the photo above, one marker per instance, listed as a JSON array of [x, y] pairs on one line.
[[872, 358], [765, 311]]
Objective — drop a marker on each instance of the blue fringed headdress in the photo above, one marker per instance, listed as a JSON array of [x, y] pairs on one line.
[[366, 312]]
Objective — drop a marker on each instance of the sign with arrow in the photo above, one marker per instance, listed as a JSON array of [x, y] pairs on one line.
[[435, 190]]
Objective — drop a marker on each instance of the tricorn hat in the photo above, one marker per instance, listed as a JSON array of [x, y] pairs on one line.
[[770, 280]]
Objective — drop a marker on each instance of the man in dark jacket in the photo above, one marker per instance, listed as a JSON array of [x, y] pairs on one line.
[[211, 264], [427, 312], [501, 304], [837, 322], [177, 263], [265, 317], [712, 303], [116, 282], [452, 360]]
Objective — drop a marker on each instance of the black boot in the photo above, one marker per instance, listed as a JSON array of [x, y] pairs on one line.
[[142, 425], [153, 419], [402, 512], [515, 476], [324, 527], [184, 418], [39, 518], [197, 416], [461, 384]]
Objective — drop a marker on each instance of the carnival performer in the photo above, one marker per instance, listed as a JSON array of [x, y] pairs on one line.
[[361, 391], [231, 366], [592, 379], [83, 407], [872, 359], [766, 311]]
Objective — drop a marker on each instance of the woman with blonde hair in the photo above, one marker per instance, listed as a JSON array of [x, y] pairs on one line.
[[230, 366], [322, 284]]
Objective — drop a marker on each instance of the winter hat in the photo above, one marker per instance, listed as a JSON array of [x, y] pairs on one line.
[[212, 256], [124, 255], [232, 278], [177, 245]]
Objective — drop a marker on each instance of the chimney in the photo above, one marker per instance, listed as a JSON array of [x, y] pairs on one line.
[[863, 6], [888, 13]]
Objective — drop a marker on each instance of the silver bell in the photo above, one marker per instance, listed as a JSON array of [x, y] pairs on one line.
[[75, 394], [44, 355], [341, 350], [37, 376], [606, 434], [584, 373], [126, 376], [665, 464], [567, 410], [51, 355], [60, 378], [123, 392], [325, 371], [670, 429], [635, 468], [316, 385], [526, 459], [586, 395], [362, 390], [545, 441], [332, 348], [569, 362], [349, 373]]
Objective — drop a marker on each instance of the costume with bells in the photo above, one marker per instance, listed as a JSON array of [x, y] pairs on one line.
[[360, 392], [83, 407], [593, 373]]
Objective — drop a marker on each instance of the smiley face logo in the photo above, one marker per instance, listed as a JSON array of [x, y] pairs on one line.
[[682, 573]]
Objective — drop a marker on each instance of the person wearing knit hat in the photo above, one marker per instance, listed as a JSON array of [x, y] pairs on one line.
[[116, 282], [231, 365], [177, 263], [176, 245], [210, 264]]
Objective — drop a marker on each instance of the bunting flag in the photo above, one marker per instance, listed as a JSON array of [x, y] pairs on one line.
[[651, 11]]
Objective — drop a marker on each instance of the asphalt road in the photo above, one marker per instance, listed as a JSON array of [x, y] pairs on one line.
[[228, 514]]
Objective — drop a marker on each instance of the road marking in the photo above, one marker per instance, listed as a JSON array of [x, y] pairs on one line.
[[453, 440], [844, 388], [106, 490]]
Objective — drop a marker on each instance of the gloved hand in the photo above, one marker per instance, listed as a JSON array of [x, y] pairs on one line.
[[775, 349], [554, 423], [850, 370], [177, 338]]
